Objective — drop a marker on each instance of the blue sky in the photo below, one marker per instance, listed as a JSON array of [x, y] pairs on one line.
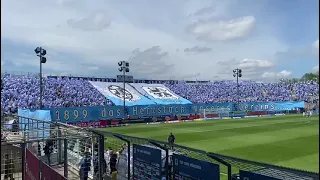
[[181, 39]]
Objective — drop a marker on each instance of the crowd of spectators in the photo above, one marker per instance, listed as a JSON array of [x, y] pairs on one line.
[[23, 92], [247, 91]]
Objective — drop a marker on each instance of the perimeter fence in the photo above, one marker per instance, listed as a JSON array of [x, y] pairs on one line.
[[36, 149], [229, 166]]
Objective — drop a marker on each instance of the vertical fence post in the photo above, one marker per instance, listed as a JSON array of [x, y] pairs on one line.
[[213, 156], [229, 172], [59, 144], [40, 165], [38, 143], [28, 130], [65, 170], [101, 156], [129, 161], [92, 153], [167, 164], [23, 159]]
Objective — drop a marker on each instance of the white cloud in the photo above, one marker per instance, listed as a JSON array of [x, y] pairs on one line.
[[315, 69], [197, 49], [85, 37], [255, 63], [151, 61], [251, 68], [93, 68], [315, 47], [316, 44], [205, 9], [96, 21], [213, 30], [277, 75]]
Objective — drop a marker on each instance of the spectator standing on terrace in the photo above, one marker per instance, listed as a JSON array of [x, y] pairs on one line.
[[34, 148], [85, 164], [48, 149], [103, 165], [113, 162], [15, 126], [107, 158]]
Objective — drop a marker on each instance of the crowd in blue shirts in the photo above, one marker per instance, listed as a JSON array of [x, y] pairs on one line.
[[23, 92]]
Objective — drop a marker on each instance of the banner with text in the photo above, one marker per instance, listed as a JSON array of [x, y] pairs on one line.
[[159, 93], [116, 93], [271, 106], [97, 113], [189, 168], [101, 123]]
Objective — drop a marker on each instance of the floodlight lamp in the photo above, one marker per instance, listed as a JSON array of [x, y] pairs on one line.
[[43, 60], [127, 64], [127, 69], [120, 63], [239, 70], [120, 69], [37, 50], [240, 75], [234, 71], [234, 75], [43, 52]]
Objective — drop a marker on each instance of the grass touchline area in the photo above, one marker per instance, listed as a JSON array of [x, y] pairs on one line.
[[290, 140]]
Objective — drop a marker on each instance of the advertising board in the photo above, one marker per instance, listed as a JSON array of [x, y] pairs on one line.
[[146, 163], [246, 175], [190, 168]]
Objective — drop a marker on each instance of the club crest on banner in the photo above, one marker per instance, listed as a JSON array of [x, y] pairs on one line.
[[160, 92], [120, 93]]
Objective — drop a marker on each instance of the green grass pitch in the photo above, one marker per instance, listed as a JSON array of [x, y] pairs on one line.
[[290, 140]]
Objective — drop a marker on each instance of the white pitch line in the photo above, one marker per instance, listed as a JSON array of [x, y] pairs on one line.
[[225, 174], [226, 128]]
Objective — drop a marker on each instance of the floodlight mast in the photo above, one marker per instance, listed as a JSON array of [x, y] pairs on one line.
[[238, 74], [124, 68], [42, 59]]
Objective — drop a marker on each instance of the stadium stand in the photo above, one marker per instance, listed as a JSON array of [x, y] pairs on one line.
[[23, 92], [225, 91]]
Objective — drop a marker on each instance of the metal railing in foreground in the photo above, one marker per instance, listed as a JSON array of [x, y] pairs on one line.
[[229, 166], [57, 146], [78, 153]]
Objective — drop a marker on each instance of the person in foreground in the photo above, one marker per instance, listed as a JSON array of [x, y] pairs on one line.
[[85, 164]]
